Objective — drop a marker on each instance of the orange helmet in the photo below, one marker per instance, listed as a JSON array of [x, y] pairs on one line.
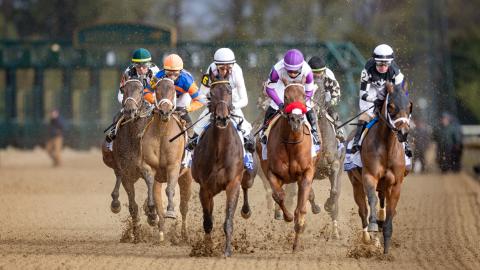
[[173, 62]]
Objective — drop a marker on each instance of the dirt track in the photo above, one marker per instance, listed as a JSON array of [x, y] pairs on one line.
[[60, 218]]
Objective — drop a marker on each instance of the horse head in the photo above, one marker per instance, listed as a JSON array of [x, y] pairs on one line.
[[295, 107], [165, 98], [132, 97], [396, 111], [220, 105]]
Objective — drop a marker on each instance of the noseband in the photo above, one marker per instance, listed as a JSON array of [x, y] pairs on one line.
[[166, 100]]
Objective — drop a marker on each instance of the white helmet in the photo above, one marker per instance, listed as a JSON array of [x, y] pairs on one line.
[[383, 52], [224, 56]]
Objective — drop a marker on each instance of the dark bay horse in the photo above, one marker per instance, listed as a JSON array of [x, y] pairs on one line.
[[383, 160], [289, 156], [217, 164], [163, 158], [125, 159]]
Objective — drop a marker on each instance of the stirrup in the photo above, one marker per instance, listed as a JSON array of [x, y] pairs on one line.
[[192, 143]]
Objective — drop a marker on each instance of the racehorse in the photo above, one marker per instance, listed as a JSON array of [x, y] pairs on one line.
[[217, 164], [290, 144], [164, 158], [125, 157], [383, 160], [330, 160]]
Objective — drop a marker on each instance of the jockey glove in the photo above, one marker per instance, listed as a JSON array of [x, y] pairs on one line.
[[281, 106]]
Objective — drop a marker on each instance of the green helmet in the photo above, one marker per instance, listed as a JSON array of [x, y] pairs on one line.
[[141, 56]]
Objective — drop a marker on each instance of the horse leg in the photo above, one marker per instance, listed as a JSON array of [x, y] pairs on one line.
[[278, 195], [132, 208], [185, 183], [359, 196], [206, 199], [115, 206], [232, 190], [151, 213], [247, 182], [370, 189], [381, 212], [315, 207], [268, 190], [393, 195], [331, 205], [157, 196], [304, 187], [172, 180]]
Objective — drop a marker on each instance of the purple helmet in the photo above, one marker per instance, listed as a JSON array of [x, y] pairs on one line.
[[293, 60]]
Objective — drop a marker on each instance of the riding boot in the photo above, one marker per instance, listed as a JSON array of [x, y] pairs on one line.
[[249, 143], [111, 133], [268, 115], [312, 119], [192, 142], [188, 119], [358, 134], [408, 151]]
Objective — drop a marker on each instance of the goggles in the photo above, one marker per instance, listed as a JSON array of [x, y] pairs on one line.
[[172, 73], [294, 72], [142, 65], [382, 63]]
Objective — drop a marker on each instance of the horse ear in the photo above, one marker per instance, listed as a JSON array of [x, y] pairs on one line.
[[304, 80], [285, 82]]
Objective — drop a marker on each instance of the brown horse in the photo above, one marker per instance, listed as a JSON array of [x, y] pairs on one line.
[[290, 146], [125, 159], [164, 158], [217, 164], [383, 160]]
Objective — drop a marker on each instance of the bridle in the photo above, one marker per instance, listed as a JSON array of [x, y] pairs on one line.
[[131, 98], [159, 103], [229, 106], [387, 118]]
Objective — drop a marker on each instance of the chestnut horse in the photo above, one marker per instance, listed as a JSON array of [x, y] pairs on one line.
[[289, 156], [217, 164], [125, 157], [164, 157], [383, 160]]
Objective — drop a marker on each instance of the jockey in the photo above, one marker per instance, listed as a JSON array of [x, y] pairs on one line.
[[325, 78], [378, 70], [224, 66], [141, 68], [189, 98], [292, 68]]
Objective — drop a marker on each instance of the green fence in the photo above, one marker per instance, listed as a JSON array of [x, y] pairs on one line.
[[82, 81]]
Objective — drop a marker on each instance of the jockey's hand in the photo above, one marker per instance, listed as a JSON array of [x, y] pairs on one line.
[[281, 106], [181, 110]]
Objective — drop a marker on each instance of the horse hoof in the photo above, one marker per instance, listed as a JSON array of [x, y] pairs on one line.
[[287, 218], [372, 227], [316, 209], [380, 225], [170, 214], [161, 237], [152, 221], [115, 207], [246, 215], [335, 234], [366, 237], [278, 215]]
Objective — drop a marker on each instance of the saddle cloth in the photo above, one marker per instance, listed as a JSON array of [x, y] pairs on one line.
[[353, 161], [315, 148]]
